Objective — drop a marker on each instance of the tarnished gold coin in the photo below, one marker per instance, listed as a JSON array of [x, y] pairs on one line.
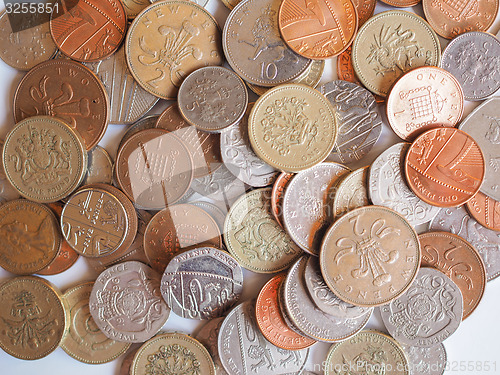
[[172, 353], [32, 317], [292, 127], [390, 44], [44, 159], [85, 342], [29, 237], [169, 40], [370, 256], [255, 238]]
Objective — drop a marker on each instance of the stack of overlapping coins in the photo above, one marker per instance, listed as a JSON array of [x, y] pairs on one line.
[[209, 190]]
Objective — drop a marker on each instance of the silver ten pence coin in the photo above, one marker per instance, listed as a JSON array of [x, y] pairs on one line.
[[426, 361], [243, 349], [202, 283], [427, 313], [387, 187], [474, 59], [254, 48], [359, 122]]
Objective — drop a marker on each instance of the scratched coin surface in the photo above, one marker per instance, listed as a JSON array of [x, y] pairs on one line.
[[359, 122], [128, 101], [154, 169], [203, 147], [324, 298], [445, 167], [126, 302], [202, 283], [473, 59], [390, 44], [212, 98], [239, 157], [100, 167], [370, 256], [84, 341], [30, 236], [352, 192], [176, 228], [485, 210], [278, 194], [483, 125], [172, 353], [450, 19], [308, 318], [94, 222], [487, 242], [307, 204], [44, 159], [208, 336], [428, 313], [33, 317], [366, 351], [92, 30], [253, 236], [292, 127], [254, 48], [428, 361], [318, 31], [425, 98], [7, 191], [168, 41], [387, 186], [69, 91], [244, 350], [28, 47], [458, 260]]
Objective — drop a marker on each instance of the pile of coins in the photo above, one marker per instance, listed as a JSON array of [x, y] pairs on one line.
[[215, 186]]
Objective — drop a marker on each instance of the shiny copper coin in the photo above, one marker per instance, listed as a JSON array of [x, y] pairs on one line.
[[364, 9], [271, 322], [203, 147], [30, 238], [452, 18], [401, 3], [69, 91], [91, 30], [424, 98], [458, 260], [277, 195], [175, 229], [320, 29], [66, 256], [485, 210], [444, 167], [154, 168]]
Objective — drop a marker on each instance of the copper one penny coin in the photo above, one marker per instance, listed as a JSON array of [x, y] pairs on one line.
[[444, 167], [271, 322], [422, 99], [318, 30], [204, 147], [175, 229], [485, 210], [458, 260], [69, 91], [154, 168], [278, 194], [91, 30]]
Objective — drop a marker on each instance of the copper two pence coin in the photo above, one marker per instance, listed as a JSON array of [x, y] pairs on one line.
[[204, 147], [154, 168], [69, 91], [422, 99], [175, 229], [458, 260], [91, 30], [271, 322], [444, 167], [278, 194], [485, 210], [318, 30]]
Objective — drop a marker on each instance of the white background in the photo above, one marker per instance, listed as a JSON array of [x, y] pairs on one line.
[[474, 344]]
